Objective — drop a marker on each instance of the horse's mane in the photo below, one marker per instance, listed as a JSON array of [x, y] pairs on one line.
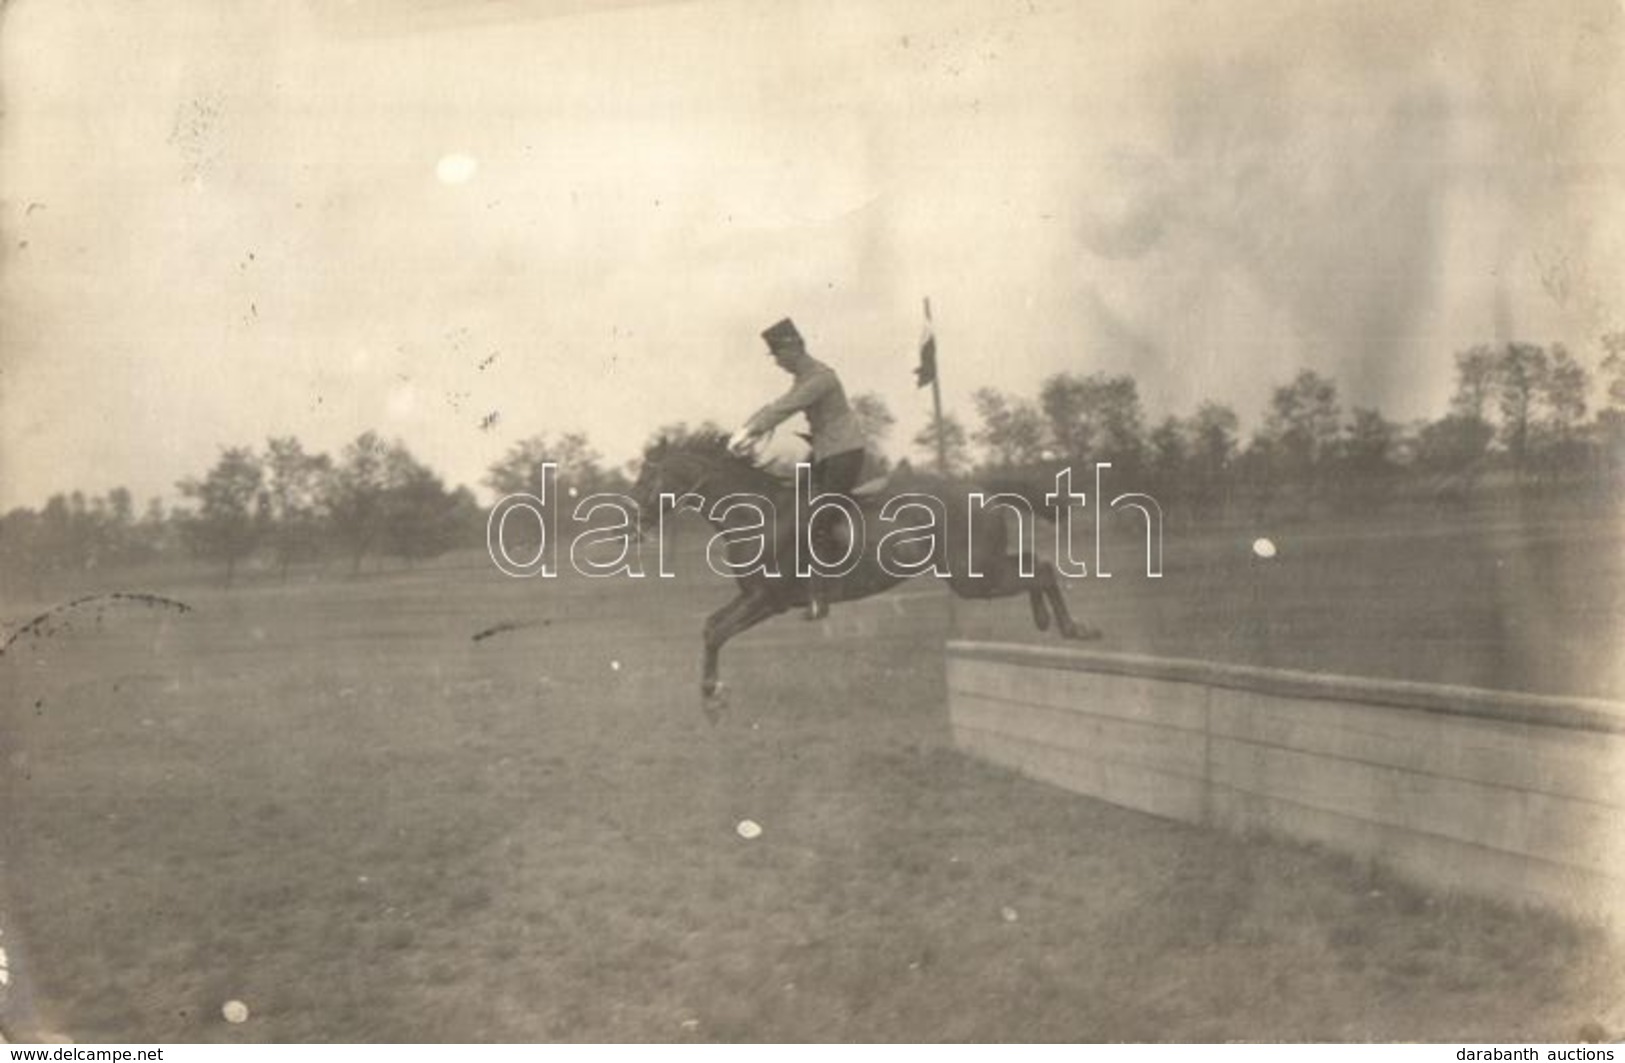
[[711, 445]]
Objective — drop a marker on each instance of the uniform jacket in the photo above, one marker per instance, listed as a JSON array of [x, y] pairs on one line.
[[818, 393]]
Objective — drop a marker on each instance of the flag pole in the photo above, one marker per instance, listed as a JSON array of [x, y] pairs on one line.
[[942, 442], [936, 395]]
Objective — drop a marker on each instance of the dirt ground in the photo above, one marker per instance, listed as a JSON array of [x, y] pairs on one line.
[[329, 801]]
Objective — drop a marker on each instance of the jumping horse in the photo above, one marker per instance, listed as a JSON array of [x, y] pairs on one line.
[[972, 546]]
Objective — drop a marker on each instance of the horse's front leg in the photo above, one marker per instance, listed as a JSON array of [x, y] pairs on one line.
[[744, 612], [718, 629]]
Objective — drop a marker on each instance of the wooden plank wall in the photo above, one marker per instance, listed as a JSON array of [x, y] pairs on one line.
[[1516, 797]]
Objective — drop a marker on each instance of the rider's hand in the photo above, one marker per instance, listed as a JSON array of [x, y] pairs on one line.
[[743, 440]]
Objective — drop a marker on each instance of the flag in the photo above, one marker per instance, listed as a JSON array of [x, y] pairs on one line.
[[926, 372]]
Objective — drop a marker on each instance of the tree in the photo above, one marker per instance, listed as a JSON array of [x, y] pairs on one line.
[[294, 495], [1454, 449], [1453, 443], [1566, 386], [520, 469], [1613, 364], [1559, 442], [1064, 400], [1475, 382], [353, 496], [155, 533], [422, 518], [79, 542], [1169, 457], [954, 449], [1521, 377], [226, 525], [118, 533], [58, 543], [22, 550], [1564, 397], [1214, 432], [1610, 424], [579, 473], [1302, 428], [1610, 434], [1366, 460], [1120, 420], [1012, 432], [1094, 418], [1258, 476], [875, 420], [380, 498]]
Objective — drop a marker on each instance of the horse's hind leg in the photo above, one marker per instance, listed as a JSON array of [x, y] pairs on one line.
[[1003, 579], [1035, 598]]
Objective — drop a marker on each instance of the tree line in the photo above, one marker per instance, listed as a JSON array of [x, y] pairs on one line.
[[1518, 421], [283, 504]]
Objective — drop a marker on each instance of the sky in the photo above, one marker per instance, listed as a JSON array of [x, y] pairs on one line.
[[466, 222]]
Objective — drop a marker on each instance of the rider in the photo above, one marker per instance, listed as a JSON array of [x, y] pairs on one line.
[[837, 438]]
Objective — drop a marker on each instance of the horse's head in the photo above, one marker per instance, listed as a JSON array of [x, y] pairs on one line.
[[699, 465], [660, 472]]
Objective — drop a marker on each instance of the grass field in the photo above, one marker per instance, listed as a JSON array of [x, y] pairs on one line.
[[329, 801]]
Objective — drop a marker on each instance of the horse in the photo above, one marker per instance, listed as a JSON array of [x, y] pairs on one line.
[[972, 549]]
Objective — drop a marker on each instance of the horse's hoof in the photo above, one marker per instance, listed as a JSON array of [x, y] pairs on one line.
[[715, 700]]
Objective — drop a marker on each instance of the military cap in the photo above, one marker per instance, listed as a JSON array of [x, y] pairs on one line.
[[782, 334]]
